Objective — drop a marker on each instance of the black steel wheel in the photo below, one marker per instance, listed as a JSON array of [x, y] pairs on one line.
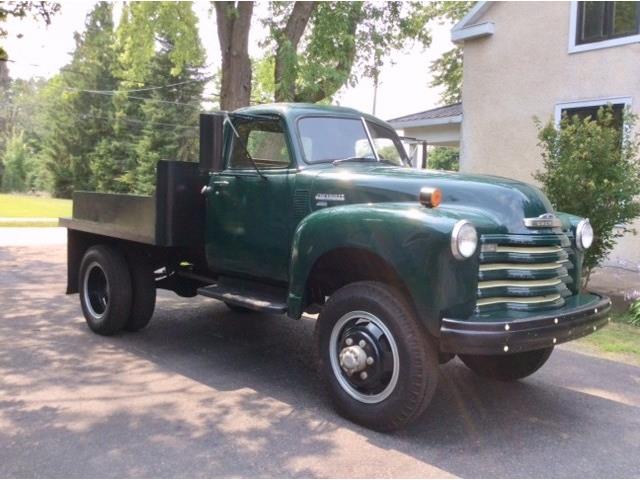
[[507, 368], [105, 289], [378, 363]]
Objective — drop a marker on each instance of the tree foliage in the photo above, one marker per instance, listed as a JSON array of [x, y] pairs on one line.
[[444, 158], [40, 10], [116, 108], [447, 70], [320, 47], [592, 169]]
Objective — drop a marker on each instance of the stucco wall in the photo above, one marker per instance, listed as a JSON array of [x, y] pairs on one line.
[[523, 70]]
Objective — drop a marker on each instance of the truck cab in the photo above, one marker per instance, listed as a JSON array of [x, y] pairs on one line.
[[299, 208]]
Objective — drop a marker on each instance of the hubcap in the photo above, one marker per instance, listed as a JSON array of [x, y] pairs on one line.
[[364, 357], [96, 290], [353, 359]]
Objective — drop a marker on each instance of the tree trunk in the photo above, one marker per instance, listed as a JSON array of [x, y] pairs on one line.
[[286, 51], [234, 24]]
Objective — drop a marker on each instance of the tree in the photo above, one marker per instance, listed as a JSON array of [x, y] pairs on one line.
[[447, 70], [342, 42], [444, 158], [314, 48], [592, 169], [39, 10], [15, 159], [158, 45], [76, 119], [234, 22]]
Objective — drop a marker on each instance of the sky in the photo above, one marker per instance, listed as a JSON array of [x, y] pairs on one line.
[[404, 80]]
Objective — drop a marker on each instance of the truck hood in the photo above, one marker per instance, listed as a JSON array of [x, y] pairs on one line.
[[501, 202]]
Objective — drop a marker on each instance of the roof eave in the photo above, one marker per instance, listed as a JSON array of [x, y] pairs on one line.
[[474, 31], [466, 29], [429, 122]]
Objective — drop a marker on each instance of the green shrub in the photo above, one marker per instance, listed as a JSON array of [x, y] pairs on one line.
[[444, 158], [634, 313], [592, 169]]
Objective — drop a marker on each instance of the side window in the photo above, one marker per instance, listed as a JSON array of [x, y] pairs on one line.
[[263, 140], [387, 144]]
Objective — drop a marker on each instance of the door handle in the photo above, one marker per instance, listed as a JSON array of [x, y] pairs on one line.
[[221, 182]]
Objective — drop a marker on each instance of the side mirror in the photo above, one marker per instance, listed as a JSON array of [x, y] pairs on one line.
[[211, 141]]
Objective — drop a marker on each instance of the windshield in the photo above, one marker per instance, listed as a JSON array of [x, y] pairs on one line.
[[327, 139]]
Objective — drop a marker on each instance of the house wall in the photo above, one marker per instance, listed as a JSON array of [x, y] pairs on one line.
[[522, 71]]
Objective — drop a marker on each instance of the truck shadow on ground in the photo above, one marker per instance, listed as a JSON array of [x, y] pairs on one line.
[[207, 392]]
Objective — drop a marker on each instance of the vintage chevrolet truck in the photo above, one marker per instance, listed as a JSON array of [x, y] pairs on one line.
[[299, 208]]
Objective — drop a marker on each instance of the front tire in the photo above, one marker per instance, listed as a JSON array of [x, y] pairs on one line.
[[507, 368], [105, 289], [378, 363]]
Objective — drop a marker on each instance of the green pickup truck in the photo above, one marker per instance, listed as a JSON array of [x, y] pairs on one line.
[[298, 208]]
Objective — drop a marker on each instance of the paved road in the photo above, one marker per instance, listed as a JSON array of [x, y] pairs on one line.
[[205, 392]]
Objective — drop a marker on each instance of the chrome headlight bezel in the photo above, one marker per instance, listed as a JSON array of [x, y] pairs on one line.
[[584, 235], [464, 240]]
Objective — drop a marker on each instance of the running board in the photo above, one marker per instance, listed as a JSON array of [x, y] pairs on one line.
[[261, 298]]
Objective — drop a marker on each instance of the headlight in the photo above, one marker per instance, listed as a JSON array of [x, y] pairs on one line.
[[584, 234], [464, 240]]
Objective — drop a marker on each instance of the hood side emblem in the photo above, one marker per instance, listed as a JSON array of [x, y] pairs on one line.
[[323, 199], [546, 220]]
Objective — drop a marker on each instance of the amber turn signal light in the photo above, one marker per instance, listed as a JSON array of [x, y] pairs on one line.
[[430, 197]]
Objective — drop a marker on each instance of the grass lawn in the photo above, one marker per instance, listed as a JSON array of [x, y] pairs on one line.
[[618, 340], [25, 206]]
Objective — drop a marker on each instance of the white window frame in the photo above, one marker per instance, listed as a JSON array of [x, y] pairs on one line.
[[596, 102], [585, 47]]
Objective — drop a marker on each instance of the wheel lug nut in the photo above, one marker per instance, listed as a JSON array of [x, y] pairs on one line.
[[363, 375], [369, 360], [362, 343], [349, 341]]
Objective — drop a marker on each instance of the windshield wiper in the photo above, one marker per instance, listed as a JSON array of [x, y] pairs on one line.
[[354, 159]]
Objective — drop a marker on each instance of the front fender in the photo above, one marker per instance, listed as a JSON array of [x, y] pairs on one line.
[[413, 240]]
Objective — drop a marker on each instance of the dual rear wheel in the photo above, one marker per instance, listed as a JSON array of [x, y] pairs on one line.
[[116, 292]]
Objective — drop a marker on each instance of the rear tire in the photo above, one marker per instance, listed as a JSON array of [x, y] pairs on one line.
[[105, 289], [401, 376], [143, 300], [507, 368]]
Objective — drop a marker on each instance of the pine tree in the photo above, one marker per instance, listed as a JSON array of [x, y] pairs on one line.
[[159, 43], [77, 120]]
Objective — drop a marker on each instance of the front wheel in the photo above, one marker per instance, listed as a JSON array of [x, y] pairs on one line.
[[378, 363], [507, 368]]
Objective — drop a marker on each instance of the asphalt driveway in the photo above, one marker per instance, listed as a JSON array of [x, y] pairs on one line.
[[207, 392]]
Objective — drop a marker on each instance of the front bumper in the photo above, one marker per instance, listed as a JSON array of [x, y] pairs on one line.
[[509, 332]]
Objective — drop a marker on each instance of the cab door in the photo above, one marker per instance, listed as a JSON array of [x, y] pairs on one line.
[[249, 217]]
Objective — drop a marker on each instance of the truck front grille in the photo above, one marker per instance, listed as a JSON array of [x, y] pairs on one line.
[[523, 272]]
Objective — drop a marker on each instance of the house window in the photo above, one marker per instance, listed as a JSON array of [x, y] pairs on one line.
[[592, 111], [595, 25], [589, 108]]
